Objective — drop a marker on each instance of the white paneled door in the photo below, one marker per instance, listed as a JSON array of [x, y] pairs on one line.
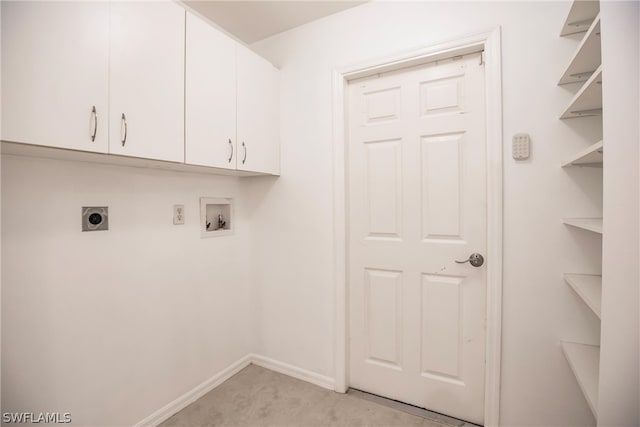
[[417, 203]]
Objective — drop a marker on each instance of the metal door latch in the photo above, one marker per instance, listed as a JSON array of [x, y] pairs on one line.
[[475, 259]]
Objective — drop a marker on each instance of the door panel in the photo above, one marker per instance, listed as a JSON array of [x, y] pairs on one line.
[[383, 321], [441, 181], [441, 327], [384, 188], [417, 203], [441, 95], [383, 105]]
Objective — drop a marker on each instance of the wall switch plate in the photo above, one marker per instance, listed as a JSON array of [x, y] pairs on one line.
[[520, 146], [95, 218], [178, 214]]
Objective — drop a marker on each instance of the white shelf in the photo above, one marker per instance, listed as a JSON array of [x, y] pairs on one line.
[[585, 66], [588, 100], [587, 57], [588, 287], [584, 361], [590, 224], [591, 156], [580, 16]]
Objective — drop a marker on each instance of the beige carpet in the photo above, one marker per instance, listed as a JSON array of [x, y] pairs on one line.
[[260, 397]]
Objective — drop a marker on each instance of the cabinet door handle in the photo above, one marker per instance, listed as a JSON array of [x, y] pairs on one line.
[[123, 126], [230, 155], [244, 159], [94, 114]]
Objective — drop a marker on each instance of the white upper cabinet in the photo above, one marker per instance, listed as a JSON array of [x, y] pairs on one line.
[[210, 114], [139, 79], [147, 80], [55, 77], [258, 114]]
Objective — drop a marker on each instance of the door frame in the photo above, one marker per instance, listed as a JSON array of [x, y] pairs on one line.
[[490, 42]]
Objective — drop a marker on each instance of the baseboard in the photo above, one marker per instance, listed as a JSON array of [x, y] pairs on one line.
[[294, 371], [200, 390], [196, 393]]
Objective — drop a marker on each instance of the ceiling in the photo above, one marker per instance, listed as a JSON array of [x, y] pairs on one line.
[[251, 21]]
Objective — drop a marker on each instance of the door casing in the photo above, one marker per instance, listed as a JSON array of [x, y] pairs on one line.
[[490, 43]]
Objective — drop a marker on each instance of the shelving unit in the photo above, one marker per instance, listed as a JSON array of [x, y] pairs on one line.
[[585, 66], [589, 224], [589, 288], [584, 361], [588, 100], [591, 156], [586, 59], [581, 15]]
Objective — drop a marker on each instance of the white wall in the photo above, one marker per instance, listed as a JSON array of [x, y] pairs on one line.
[[111, 326], [292, 221], [0, 227], [619, 374]]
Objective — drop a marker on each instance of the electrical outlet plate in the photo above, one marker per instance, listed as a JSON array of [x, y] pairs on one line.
[[178, 214], [95, 218], [520, 146]]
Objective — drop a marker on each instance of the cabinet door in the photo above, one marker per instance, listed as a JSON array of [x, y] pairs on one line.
[[147, 80], [55, 65], [210, 111], [258, 114]]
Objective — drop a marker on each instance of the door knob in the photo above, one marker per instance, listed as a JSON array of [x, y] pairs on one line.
[[475, 259]]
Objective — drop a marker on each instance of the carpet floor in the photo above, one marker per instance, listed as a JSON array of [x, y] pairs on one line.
[[259, 397]]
